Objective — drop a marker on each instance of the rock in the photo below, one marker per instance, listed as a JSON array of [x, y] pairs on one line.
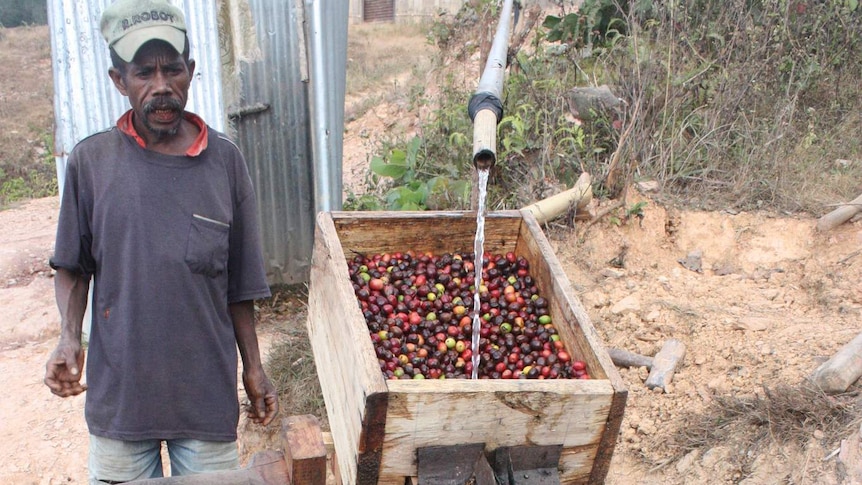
[[652, 316], [714, 455], [627, 304], [693, 261], [648, 186], [588, 102], [612, 273], [647, 428], [643, 373], [684, 464], [718, 384], [751, 324], [596, 299]]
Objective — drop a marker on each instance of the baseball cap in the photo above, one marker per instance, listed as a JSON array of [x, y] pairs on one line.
[[129, 24]]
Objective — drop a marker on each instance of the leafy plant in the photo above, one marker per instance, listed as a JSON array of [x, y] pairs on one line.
[[413, 188]]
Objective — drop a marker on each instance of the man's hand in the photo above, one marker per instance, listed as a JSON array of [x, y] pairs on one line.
[[263, 397], [63, 371]]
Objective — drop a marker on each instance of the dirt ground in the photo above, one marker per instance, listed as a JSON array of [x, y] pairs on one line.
[[772, 300]]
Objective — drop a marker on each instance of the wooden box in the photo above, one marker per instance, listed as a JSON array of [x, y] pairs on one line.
[[377, 424]]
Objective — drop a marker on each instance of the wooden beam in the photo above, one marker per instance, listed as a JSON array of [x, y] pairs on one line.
[[304, 451]]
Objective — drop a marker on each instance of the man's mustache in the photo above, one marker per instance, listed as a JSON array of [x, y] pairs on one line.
[[163, 104]]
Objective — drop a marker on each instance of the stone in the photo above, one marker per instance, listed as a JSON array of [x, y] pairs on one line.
[[630, 303]]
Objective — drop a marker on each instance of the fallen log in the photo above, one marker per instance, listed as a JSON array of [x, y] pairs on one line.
[[840, 215], [842, 370], [556, 205]]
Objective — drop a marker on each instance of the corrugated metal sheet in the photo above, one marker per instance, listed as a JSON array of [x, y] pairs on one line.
[[85, 100], [276, 141], [292, 130]]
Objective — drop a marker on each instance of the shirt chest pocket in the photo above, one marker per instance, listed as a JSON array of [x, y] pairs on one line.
[[207, 249]]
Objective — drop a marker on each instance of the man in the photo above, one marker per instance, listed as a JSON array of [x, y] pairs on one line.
[[160, 211]]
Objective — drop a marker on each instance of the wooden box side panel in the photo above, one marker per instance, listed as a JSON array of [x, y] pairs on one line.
[[496, 413], [352, 385], [438, 232], [576, 330]]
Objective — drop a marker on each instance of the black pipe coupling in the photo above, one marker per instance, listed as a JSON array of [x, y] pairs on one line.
[[484, 100]]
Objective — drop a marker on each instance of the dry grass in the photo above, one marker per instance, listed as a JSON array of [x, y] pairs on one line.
[[380, 59], [290, 362], [783, 416], [26, 114]]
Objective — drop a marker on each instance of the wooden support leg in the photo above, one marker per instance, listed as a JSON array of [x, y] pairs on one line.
[[304, 451], [528, 465]]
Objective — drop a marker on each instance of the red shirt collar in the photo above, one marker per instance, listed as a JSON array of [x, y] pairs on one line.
[[200, 144]]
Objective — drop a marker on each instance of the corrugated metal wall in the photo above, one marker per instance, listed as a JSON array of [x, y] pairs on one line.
[[85, 100], [277, 141]]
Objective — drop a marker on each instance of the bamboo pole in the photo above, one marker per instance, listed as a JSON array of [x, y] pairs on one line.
[[557, 205]]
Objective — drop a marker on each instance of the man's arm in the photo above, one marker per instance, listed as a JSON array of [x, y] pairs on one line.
[[63, 370], [260, 391]]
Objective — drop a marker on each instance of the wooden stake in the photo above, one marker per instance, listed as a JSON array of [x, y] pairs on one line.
[[304, 451]]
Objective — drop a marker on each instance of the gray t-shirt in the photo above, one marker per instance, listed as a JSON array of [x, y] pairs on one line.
[[170, 241]]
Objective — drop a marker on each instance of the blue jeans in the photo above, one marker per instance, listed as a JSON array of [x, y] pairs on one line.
[[114, 461]]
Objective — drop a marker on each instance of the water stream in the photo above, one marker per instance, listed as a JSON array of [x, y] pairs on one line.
[[479, 251]]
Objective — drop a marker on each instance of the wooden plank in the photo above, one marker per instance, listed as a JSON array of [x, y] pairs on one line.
[[497, 412], [578, 332], [304, 451], [265, 468], [664, 364], [353, 387], [437, 232]]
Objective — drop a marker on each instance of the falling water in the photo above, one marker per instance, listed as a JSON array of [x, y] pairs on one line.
[[479, 251]]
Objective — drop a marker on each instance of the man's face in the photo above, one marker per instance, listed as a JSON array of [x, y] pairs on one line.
[[157, 85]]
